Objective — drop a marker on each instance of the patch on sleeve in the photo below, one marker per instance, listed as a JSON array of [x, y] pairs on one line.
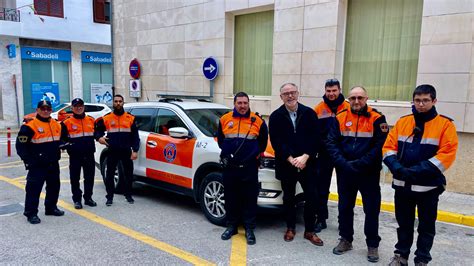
[[384, 127], [23, 139]]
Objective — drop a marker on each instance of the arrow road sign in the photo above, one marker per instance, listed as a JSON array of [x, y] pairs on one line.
[[210, 69]]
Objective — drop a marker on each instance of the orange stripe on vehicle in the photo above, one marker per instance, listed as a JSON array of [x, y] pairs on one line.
[[183, 149], [181, 181]]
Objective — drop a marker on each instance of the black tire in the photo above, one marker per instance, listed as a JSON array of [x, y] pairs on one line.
[[211, 198], [119, 175]]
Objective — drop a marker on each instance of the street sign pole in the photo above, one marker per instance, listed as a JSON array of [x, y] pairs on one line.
[[210, 69]]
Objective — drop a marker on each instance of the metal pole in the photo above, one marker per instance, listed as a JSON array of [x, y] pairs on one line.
[[211, 90], [112, 40], [9, 142], [17, 100]]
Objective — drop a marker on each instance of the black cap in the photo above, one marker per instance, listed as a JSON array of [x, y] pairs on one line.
[[77, 101], [44, 103]]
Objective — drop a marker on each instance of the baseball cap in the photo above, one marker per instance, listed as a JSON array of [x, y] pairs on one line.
[[77, 101], [44, 103]]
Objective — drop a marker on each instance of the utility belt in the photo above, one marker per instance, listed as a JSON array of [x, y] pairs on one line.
[[228, 163]]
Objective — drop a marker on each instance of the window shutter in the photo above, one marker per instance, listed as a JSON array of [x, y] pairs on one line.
[[56, 8], [99, 11]]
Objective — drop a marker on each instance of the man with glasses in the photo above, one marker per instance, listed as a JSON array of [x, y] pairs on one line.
[[417, 151], [78, 132], [333, 102], [37, 145], [295, 137], [355, 143], [123, 143]]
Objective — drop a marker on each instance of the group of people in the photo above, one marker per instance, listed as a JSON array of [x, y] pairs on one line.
[[353, 138], [40, 141]]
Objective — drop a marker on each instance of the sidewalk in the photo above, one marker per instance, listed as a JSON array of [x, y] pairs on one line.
[[452, 207]]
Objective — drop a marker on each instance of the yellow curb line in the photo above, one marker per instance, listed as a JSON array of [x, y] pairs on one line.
[[9, 163], [443, 216], [184, 255], [238, 253]]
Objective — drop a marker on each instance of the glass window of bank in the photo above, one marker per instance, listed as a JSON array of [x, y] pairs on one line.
[[44, 66], [96, 69]]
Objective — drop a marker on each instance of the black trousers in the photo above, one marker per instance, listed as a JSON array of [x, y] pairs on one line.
[[240, 194], [347, 186], [113, 158], [35, 180], [87, 163], [405, 204], [326, 168], [308, 184]]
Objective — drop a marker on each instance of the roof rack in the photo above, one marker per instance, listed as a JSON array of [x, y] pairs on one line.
[[179, 98]]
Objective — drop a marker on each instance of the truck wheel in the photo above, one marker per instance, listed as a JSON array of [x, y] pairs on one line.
[[118, 177], [211, 198]]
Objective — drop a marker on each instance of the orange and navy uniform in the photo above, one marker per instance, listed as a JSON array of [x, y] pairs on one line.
[[122, 132], [249, 132], [78, 130], [424, 153], [325, 113], [358, 138], [38, 142]]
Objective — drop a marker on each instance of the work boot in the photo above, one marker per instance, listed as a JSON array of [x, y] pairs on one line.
[[90, 202], [129, 199], [398, 260], [109, 202], [320, 225], [342, 247], [54, 212], [34, 219], [229, 232], [420, 263], [372, 254], [250, 237], [77, 205]]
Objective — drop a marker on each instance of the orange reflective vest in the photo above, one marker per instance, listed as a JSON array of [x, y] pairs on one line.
[[323, 111], [426, 156], [122, 133], [80, 134]]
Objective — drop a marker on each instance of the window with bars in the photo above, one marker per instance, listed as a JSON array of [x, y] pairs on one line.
[[101, 11], [52, 8]]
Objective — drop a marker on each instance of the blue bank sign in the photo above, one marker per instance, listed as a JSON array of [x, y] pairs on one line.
[[45, 54], [96, 58]]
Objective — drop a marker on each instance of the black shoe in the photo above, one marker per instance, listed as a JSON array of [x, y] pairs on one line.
[[109, 202], [90, 202], [228, 233], [342, 247], [320, 225], [129, 199], [34, 219], [372, 254], [55, 212], [250, 236], [77, 205]]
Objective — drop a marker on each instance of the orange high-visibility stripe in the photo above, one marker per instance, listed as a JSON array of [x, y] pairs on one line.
[[237, 127], [80, 127], [114, 123], [323, 110], [45, 131], [181, 181]]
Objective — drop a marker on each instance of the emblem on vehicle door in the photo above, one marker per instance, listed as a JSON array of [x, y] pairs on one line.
[[170, 152]]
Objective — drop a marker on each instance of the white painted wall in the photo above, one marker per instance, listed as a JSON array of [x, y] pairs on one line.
[[77, 25]]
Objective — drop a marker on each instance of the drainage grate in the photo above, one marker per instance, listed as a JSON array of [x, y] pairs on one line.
[[10, 209]]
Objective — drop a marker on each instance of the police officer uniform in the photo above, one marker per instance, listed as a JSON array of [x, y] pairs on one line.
[[38, 145], [79, 134], [241, 138], [326, 110], [419, 148], [355, 143], [122, 134]]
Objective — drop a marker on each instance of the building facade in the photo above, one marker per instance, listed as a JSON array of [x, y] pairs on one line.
[[51, 49], [387, 46]]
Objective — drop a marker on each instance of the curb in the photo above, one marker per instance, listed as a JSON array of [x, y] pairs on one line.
[[443, 216]]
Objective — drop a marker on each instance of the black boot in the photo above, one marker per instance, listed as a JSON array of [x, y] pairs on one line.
[[229, 232], [250, 236]]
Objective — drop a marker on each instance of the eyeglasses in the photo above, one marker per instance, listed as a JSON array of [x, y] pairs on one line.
[[420, 101], [359, 98], [45, 108], [289, 93]]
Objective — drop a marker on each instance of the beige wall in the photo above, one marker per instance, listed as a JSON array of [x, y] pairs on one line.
[[172, 38]]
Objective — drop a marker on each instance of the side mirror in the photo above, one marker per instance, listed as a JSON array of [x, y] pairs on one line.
[[179, 132]]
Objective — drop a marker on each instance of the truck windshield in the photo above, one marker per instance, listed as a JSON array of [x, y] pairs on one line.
[[207, 120]]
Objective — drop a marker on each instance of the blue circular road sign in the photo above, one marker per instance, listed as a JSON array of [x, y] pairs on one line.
[[210, 68]]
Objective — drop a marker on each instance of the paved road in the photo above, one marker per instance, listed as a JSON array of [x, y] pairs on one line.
[[164, 228]]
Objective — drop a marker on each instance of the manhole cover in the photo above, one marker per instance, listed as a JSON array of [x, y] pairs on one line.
[[10, 209]]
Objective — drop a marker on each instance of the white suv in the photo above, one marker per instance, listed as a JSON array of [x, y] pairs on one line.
[[179, 152]]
